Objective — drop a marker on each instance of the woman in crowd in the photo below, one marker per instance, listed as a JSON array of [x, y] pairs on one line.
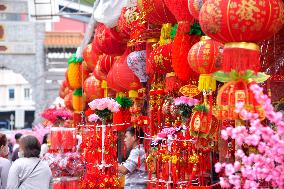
[[29, 172], [44, 145], [4, 162]]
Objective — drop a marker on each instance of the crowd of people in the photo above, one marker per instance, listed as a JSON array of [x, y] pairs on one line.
[[21, 166]]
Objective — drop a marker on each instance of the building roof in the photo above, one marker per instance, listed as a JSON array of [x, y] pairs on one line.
[[63, 39], [8, 77]]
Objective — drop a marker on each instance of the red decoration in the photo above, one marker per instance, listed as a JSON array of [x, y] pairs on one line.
[[104, 40], [156, 12], [121, 117], [240, 20], [112, 82], [173, 83], [160, 60], [181, 45], [92, 88], [68, 101], [179, 10], [103, 66], [200, 123], [90, 57], [194, 7]]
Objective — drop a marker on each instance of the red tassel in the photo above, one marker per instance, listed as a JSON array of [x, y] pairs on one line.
[[173, 83], [240, 57]]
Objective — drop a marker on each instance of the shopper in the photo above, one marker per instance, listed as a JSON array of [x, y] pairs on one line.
[[44, 145], [29, 172], [135, 174], [16, 146], [4, 162]]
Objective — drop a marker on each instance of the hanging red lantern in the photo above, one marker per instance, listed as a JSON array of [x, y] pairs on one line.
[[239, 23], [160, 60], [68, 101], [107, 43], [112, 82], [92, 88], [90, 57], [200, 123], [156, 12], [124, 76], [194, 7], [103, 66], [179, 10], [205, 58], [181, 45]]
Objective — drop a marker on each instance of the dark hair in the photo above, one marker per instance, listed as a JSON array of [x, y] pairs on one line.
[[18, 136], [3, 139], [31, 146], [136, 131], [44, 140]]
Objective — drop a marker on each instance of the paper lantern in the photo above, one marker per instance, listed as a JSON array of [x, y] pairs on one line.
[[205, 58], [78, 101], [194, 7], [74, 72], [232, 93], [107, 43], [179, 10], [92, 88], [156, 12], [103, 66], [112, 82], [68, 100], [90, 57], [181, 45], [160, 60], [136, 61]]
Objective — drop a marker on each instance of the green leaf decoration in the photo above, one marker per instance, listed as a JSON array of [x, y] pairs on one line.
[[196, 29], [74, 60], [174, 31], [260, 77], [201, 108], [124, 102], [78, 92], [234, 75], [248, 74], [221, 76], [104, 114]]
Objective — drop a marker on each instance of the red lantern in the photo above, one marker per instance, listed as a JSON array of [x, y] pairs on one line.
[[92, 88], [181, 45], [194, 7], [179, 10], [205, 58], [90, 57], [103, 66], [112, 82], [106, 42], [200, 123], [160, 60], [68, 101], [156, 12], [237, 22]]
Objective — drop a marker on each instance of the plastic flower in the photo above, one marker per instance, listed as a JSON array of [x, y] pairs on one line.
[[93, 118]]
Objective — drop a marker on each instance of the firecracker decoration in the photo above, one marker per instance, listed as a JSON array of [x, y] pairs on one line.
[[205, 58], [74, 72], [78, 100], [173, 83], [92, 88], [228, 21]]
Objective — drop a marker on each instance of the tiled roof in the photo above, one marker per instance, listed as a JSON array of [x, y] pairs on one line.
[[63, 39]]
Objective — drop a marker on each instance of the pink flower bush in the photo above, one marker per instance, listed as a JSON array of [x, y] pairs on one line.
[[165, 133], [54, 114], [104, 103], [183, 100], [93, 118], [266, 165]]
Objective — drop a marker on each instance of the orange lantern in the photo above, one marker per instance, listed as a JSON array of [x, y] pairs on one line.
[[92, 88], [156, 12], [90, 57], [205, 58], [74, 72], [240, 24], [194, 7], [232, 93], [78, 101]]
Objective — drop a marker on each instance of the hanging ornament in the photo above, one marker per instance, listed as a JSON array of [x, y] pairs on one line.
[[74, 72], [103, 66], [136, 61], [194, 7], [92, 88], [68, 101], [90, 57], [205, 58], [78, 101], [156, 12], [240, 24], [172, 83], [179, 10]]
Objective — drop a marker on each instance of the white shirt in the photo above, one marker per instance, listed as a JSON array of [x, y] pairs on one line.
[[43, 150], [21, 169], [4, 170], [15, 146]]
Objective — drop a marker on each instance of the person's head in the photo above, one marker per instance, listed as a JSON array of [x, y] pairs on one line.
[[29, 147], [4, 151], [45, 138], [18, 137], [132, 137]]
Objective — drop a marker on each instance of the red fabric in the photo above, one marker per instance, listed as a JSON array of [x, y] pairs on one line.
[[179, 10], [156, 12], [240, 60], [92, 88], [106, 42], [239, 20], [204, 57], [194, 7]]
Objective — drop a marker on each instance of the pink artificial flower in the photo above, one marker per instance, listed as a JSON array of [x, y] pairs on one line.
[[93, 118], [224, 135], [235, 180], [237, 165], [239, 153], [224, 183], [218, 167], [229, 169]]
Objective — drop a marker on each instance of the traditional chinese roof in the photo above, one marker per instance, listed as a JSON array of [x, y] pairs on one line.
[[63, 39]]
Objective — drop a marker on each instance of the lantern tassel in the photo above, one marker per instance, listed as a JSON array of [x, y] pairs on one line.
[[133, 94], [206, 82], [104, 86]]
